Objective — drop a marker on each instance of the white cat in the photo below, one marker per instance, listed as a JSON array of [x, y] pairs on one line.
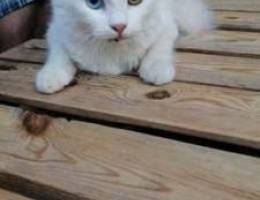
[[112, 37]]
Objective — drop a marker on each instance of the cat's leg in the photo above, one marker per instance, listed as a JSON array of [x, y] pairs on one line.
[[58, 71], [158, 66]]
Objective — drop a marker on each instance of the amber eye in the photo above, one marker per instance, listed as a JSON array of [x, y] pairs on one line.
[[134, 2]]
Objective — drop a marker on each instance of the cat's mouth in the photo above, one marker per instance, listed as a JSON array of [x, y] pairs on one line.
[[118, 39], [115, 40]]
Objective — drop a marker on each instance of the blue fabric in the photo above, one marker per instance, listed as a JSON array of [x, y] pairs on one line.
[[7, 6]]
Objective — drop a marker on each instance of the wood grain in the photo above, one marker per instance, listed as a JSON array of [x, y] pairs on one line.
[[234, 43], [234, 20], [226, 71], [32, 51], [192, 67], [96, 162], [217, 113], [219, 70], [6, 195], [234, 5]]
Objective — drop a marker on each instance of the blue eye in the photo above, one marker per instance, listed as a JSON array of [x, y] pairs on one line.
[[95, 4]]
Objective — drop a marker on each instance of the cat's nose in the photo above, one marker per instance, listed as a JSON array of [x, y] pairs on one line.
[[119, 28]]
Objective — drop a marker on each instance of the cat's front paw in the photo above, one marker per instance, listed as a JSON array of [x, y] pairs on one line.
[[51, 79], [157, 73]]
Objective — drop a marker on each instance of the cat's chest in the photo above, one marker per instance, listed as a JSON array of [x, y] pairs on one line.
[[108, 58]]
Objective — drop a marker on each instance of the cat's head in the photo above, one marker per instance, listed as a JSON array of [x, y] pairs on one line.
[[109, 19]]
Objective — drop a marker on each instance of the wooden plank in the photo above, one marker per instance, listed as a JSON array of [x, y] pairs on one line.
[[234, 5], [90, 161], [234, 20], [245, 44], [226, 71], [6, 195], [235, 43], [31, 51], [216, 113], [192, 67], [219, 70]]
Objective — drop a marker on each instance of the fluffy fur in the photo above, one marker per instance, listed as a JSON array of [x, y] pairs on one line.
[[79, 34]]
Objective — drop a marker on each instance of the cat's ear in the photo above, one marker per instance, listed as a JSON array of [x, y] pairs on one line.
[[193, 16]]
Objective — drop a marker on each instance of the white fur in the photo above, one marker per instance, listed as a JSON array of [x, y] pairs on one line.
[[79, 34]]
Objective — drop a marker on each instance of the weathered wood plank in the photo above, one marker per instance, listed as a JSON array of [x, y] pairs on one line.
[[219, 70], [233, 20], [6, 195], [234, 5], [236, 43], [233, 43], [198, 68], [217, 113], [192, 67], [96, 162], [32, 51]]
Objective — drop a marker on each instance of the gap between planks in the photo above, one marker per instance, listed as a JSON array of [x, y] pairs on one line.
[[89, 161]]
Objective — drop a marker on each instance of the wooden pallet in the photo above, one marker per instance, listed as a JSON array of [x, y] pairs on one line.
[[120, 139]]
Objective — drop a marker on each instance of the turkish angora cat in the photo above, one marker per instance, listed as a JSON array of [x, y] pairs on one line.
[[112, 37]]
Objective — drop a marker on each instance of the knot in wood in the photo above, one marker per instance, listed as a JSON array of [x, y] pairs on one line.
[[232, 17], [34, 123], [158, 95]]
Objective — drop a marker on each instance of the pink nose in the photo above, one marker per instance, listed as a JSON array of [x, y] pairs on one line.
[[119, 28]]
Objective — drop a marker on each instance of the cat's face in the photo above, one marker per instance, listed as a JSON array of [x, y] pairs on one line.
[[111, 19]]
